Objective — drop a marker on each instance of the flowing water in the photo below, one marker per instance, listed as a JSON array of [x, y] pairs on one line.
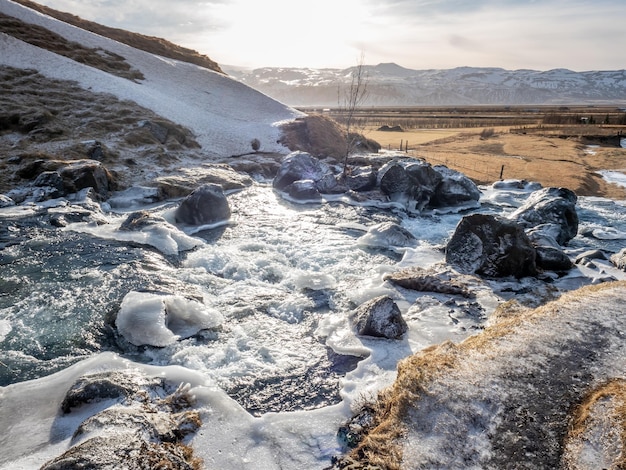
[[276, 285]]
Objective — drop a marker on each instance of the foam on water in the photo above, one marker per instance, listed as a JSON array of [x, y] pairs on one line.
[[280, 281]]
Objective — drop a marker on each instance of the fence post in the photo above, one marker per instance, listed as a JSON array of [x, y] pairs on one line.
[[401, 141], [406, 147], [501, 172]]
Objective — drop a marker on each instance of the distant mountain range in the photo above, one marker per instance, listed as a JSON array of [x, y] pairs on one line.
[[392, 85]]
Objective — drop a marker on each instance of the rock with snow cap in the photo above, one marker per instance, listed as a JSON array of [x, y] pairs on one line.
[[550, 206], [379, 317], [455, 188], [206, 205], [302, 166]]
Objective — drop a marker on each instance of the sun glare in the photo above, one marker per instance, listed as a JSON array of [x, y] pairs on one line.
[[288, 33]]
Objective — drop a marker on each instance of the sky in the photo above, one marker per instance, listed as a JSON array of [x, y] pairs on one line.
[[418, 34]]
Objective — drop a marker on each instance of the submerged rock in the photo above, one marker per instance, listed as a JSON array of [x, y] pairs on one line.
[[379, 317], [491, 246], [388, 235], [419, 279], [206, 205], [554, 208]]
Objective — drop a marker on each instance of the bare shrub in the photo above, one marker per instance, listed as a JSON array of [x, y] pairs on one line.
[[486, 133]]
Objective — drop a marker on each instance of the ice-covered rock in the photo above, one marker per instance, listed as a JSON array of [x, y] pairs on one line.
[[6, 201], [206, 205], [159, 320], [550, 206], [379, 317], [387, 235], [455, 188], [302, 166], [420, 185], [491, 246]]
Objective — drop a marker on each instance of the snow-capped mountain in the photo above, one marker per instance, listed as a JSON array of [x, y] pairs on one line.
[[392, 85]]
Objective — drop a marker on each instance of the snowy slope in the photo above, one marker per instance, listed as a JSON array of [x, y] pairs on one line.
[[224, 114]]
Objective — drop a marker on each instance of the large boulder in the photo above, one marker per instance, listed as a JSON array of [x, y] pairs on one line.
[[302, 166], [379, 317], [413, 183], [420, 185], [548, 207], [187, 179], [491, 246], [455, 188], [206, 205]]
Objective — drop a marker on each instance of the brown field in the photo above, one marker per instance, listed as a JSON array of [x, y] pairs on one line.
[[535, 149]]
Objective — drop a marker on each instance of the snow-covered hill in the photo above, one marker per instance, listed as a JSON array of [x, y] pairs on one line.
[[224, 114], [392, 85]]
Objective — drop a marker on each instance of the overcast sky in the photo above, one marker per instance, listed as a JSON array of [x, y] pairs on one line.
[[419, 34]]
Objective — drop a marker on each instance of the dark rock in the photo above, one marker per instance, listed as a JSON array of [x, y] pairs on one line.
[[379, 317], [455, 188], [394, 180], [86, 174], [300, 166], [362, 179], [552, 259], [491, 246], [303, 190], [420, 185], [619, 259], [15, 160], [52, 180], [206, 205], [30, 169], [550, 206], [419, 279]]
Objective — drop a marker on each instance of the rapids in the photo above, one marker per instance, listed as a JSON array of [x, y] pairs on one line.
[[270, 292]]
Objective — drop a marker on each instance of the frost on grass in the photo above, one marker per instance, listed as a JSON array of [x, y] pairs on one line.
[[509, 393]]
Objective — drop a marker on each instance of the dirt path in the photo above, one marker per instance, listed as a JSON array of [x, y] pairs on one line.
[[552, 161]]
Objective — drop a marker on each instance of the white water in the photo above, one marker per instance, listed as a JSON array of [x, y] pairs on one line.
[[280, 280]]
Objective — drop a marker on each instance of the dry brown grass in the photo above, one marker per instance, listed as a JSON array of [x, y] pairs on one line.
[[150, 44], [318, 135], [549, 160], [46, 39], [613, 391], [381, 446]]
